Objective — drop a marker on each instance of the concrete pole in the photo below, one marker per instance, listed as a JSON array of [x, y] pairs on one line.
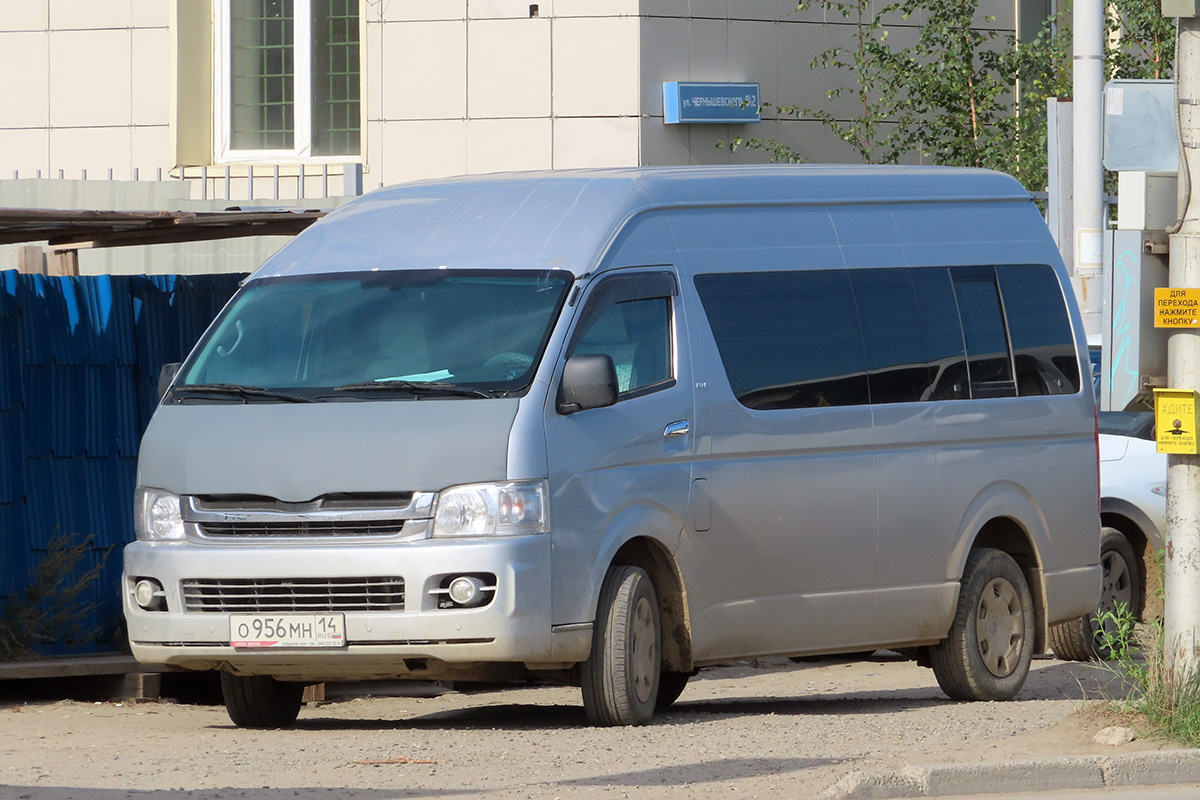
[[1182, 603], [1088, 174], [1061, 205]]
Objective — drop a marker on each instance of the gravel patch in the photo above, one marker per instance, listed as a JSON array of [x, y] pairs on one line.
[[765, 728]]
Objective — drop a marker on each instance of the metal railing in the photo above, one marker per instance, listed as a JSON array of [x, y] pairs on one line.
[[243, 182]]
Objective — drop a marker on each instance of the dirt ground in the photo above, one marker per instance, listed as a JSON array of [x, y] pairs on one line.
[[756, 729]]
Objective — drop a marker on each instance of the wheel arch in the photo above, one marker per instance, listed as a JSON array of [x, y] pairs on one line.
[[1006, 517], [1009, 536], [650, 555]]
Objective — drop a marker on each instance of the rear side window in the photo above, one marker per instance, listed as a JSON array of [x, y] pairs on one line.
[[787, 339], [989, 363], [944, 334], [819, 338], [914, 343], [1044, 354]]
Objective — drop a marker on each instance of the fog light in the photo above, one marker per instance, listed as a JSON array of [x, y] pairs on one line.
[[149, 594], [466, 591]]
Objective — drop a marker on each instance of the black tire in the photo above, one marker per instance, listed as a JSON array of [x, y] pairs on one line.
[[670, 686], [987, 653], [260, 701], [1078, 639], [620, 678]]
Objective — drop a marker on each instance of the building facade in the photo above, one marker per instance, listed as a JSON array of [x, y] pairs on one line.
[[271, 100]]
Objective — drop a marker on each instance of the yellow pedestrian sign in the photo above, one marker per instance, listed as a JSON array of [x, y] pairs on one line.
[[1176, 308], [1175, 421]]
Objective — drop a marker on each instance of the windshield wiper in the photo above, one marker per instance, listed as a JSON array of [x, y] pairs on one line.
[[239, 390], [431, 389]]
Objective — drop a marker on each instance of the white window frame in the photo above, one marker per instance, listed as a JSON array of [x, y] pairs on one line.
[[301, 85]]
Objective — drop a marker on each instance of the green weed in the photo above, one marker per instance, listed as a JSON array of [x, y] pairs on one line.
[[1169, 702]]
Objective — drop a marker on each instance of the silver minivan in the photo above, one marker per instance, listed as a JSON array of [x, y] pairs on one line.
[[611, 426]]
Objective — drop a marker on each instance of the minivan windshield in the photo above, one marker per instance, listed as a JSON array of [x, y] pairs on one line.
[[375, 335]]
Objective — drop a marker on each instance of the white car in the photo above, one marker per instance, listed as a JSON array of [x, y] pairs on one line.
[[1132, 510]]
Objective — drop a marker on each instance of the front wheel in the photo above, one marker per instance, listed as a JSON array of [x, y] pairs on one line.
[[260, 701], [620, 679], [987, 653]]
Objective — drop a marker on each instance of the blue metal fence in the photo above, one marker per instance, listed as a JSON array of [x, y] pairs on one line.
[[79, 364]]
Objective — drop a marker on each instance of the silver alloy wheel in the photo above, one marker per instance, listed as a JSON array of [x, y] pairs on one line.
[[1000, 627], [644, 655]]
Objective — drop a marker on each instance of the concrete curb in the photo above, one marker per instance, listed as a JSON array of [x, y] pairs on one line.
[[1003, 777]]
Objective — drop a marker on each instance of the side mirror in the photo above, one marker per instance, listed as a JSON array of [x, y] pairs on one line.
[[166, 376], [589, 381]]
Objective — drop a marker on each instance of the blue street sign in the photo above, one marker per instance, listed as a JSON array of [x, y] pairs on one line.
[[710, 102]]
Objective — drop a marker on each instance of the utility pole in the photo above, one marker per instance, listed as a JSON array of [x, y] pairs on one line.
[[1182, 601], [1087, 75]]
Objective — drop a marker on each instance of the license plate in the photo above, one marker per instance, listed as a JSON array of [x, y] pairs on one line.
[[287, 630]]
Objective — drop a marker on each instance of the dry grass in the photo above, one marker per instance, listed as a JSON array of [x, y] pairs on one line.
[[51, 609], [1168, 699]]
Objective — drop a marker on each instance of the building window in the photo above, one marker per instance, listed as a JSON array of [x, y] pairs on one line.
[[288, 79]]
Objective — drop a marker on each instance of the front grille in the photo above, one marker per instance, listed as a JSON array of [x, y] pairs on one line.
[[293, 594], [331, 516], [304, 528], [329, 502]]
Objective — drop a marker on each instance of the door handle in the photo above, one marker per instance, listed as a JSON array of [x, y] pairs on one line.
[[676, 428]]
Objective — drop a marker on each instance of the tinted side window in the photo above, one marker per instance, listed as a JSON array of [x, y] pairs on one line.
[[989, 362], [913, 341], [787, 339], [1043, 347], [947, 350], [893, 336]]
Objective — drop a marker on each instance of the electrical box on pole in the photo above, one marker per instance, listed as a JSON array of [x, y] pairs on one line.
[[1181, 8], [1139, 126], [1141, 146], [1133, 351]]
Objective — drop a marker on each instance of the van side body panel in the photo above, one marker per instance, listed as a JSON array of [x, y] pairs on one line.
[[978, 474], [853, 528]]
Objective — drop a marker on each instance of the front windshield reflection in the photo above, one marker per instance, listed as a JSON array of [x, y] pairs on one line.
[[407, 330]]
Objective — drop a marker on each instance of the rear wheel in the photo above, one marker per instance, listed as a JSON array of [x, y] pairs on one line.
[[1080, 639], [987, 653], [620, 679], [260, 701]]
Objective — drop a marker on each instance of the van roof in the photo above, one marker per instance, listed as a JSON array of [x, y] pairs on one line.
[[564, 219]]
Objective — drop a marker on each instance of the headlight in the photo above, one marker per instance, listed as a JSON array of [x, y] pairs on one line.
[[156, 515], [492, 509]]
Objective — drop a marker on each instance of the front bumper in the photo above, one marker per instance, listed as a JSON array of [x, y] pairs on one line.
[[421, 640]]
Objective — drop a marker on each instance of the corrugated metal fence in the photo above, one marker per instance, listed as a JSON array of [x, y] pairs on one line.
[[79, 364]]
